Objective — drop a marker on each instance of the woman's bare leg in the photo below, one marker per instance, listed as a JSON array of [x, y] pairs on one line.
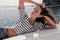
[[11, 32]]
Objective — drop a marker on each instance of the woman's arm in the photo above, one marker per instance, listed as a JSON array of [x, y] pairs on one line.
[[51, 22], [21, 2], [49, 12], [52, 16], [30, 1]]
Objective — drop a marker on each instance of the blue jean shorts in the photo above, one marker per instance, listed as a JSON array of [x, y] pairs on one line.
[[2, 33]]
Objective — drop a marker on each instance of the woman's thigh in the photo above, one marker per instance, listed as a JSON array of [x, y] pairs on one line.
[[11, 32]]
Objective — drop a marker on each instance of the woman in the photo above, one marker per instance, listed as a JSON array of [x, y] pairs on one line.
[[25, 24], [18, 30]]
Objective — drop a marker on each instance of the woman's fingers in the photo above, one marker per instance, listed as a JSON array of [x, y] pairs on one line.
[[40, 16], [43, 5]]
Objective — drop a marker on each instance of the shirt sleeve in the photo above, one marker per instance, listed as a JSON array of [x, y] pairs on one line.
[[22, 12]]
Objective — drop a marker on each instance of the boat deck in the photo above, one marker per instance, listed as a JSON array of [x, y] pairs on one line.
[[50, 34]]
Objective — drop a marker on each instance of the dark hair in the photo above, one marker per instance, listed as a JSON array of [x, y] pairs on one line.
[[45, 13], [40, 19]]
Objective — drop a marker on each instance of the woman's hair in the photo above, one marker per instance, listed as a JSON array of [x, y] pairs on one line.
[[44, 12], [40, 19]]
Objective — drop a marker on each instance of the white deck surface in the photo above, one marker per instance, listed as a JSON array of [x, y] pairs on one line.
[[50, 34]]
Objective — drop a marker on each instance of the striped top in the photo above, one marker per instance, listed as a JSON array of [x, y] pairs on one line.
[[23, 26]]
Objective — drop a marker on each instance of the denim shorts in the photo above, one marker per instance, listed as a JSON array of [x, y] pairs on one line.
[[2, 33]]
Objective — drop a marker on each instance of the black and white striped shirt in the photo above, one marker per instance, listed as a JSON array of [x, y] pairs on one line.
[[23, 26]]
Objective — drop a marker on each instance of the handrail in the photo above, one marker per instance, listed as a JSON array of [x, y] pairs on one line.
[[52, 5]]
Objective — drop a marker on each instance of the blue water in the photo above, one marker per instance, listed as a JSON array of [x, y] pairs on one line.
[[9, 15], [56, 11]]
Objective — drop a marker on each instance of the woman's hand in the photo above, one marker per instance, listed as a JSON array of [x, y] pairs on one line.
[[36, 16], [43, 5], [32, 18]]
